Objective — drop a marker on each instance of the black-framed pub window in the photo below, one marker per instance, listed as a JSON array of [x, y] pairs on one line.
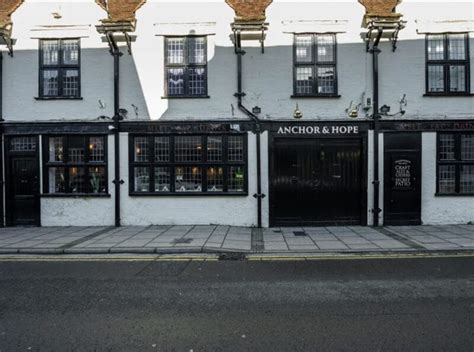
[[59, 68], [455, 163], [314, 71], [75, 164], [447, 64], [188, 164], [186, 66]]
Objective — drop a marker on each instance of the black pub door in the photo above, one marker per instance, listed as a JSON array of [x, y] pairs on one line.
[[22, 187], [402, 179], [316, 182]]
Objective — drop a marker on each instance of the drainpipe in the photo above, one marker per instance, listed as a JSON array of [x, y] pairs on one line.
[[259, 195], [115, 51], [376, 116], [2, 182]]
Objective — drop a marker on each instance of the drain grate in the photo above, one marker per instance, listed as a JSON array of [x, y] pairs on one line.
[[300, 233], [182, 240]]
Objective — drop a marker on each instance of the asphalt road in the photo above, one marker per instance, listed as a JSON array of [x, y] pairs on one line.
[[324, 305]]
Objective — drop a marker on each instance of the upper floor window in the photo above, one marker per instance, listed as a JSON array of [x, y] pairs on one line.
[[456, 163], [447, 64], [315, 65], [59, 68], [186, 66], [75, 165]]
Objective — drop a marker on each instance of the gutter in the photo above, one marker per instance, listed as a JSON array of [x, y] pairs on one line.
[[239, 95]]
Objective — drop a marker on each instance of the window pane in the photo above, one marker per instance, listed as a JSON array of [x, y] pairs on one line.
[[162, 179], [197, 81], [467, 147], [56, 149], [188, 148], [435, 47], [326, 80], [97, 179], [70, 51], [326, 46], [96, 149], [446, 147], [175, 50], [456, 47], [50, 82], [435, 78], [162, 149], [188, 179], [50, 52], [304, 48], [214, 148], [77, 178], [76, 149], [141, 179], [457, 78], [215, 179], [447, 178], [23, 144], [236, 148], [175, 81], [141, 149], [70, 83], [304, 80], [197, 50], [467, 179], [56, 180], [236, 179]]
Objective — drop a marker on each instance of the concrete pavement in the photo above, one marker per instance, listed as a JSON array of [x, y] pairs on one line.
[[216, 239]]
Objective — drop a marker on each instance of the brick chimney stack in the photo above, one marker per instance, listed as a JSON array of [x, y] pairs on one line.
[[249, 10]]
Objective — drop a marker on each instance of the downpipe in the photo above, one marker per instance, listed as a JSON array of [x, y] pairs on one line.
[[2, 181], [259, 195], [376, 117]]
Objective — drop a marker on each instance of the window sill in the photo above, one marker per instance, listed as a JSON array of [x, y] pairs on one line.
[[59, 98], [454, 194], [334, 96], [186, 97], [188, 194], [448, 95], [75, 195]]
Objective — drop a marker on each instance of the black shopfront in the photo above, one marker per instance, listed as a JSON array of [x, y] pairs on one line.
[[318, 173]]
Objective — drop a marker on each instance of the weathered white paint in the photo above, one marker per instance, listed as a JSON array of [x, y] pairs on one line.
[[440, 210]]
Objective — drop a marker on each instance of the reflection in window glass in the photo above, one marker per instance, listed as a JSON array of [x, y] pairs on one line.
[[436, 47], [326, 80], [446, 147], [188, 179], [188, 148], [457, 46], [214, 148], [236, 148], [325, 44], [96, 149], [142, 179], [55, 149], [57, 180], [447, 178], [435, 78], [76, 152], [467, 179], [77, 180], [141, 149], [162, 179], [215, 179], [162, 149], [236, 179], [457, 78], [175, 50], [23, 144], [467, 147], [304, 48], [304, 80]]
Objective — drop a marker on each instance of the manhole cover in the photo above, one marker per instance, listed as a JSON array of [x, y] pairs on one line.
[[182, 240], [299, 233]]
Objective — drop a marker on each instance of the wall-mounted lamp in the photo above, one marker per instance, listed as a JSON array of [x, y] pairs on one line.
[[256, 110], [297, 114], [123, 113], [384, 110]]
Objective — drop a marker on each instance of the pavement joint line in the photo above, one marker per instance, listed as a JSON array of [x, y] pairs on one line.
[[399, 238], [86, 238]]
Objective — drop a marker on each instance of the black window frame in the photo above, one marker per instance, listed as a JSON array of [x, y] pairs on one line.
[[315, 64], [60, 67], [186, 66], [446, 63], [204, 164], [457, 163], [86, 164]]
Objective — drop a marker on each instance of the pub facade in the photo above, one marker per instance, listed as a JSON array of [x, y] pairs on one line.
[[155, 112]]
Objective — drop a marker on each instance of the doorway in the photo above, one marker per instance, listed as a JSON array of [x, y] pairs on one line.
[[402, 174], [22, 182], [317, 182]]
